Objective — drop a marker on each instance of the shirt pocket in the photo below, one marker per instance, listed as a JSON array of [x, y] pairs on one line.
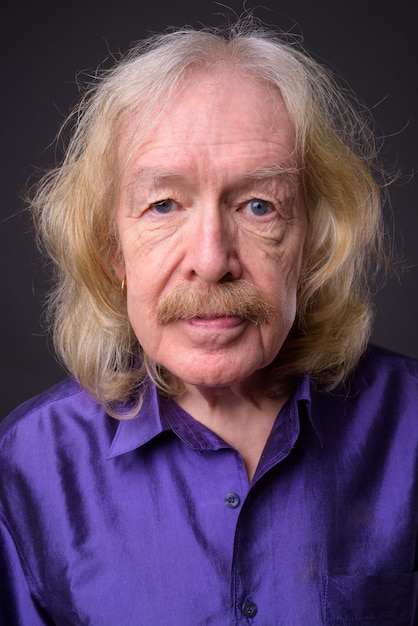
[[373, 600]]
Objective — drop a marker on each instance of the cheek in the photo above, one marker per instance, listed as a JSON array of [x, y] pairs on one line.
[[140, 296], [144, 276], [141, 305], [144, 288], [280, 279], [143, 323]]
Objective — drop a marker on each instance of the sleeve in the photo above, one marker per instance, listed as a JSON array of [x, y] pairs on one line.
[[18, 607]]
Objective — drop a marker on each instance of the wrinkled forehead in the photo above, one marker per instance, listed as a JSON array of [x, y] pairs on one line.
[[236, 101]]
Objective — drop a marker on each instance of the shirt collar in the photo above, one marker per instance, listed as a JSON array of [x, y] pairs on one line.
[[304, 401], [158, 415], [135, 432]]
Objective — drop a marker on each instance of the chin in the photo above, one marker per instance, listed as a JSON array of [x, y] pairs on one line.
[[214, 377]]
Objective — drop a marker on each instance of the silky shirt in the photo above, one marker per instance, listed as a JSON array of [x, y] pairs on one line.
[[152, 521]]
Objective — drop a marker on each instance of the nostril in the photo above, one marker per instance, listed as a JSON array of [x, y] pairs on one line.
[[229, 277]]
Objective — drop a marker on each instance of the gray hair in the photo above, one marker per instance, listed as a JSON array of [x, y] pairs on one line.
[[74, 208]]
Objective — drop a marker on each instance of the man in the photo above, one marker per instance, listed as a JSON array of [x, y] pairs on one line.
[[213, 228]]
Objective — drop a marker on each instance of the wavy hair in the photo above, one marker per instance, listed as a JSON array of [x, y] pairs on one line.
[[74, 209]]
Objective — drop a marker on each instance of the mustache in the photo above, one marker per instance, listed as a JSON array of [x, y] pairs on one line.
[[230, 299]]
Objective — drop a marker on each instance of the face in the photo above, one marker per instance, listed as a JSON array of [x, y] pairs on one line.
[[213, 197]]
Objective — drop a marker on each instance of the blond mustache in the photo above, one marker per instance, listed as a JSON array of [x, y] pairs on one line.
[[230, 299]]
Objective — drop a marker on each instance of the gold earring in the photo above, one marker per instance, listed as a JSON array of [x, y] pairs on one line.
[[123, 288]]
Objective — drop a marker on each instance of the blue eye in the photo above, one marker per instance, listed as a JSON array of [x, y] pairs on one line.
[[164, 206], [259, 207]]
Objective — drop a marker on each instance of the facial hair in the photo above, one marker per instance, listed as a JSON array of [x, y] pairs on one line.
[[236, 298]]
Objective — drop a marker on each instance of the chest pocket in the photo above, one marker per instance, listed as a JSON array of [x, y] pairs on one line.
[[372, 600]]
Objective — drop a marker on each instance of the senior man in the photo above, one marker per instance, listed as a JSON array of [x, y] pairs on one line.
[[228, 449]]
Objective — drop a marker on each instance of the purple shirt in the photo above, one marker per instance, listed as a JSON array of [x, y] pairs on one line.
[[152, 521]]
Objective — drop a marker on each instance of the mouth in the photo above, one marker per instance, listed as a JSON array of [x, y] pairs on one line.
[[215, 322]]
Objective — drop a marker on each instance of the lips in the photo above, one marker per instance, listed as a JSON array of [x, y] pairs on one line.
[[215, 322]]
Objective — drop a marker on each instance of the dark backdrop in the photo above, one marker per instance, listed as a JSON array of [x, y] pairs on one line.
[[372, 44]]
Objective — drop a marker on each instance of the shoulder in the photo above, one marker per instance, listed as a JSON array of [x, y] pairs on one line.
[[388, 378], [383, 378], [64, 411], [48, 398], [380, 396], [380, 364], [57, 400]]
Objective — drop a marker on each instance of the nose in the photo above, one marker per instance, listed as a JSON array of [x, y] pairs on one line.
[[212, 253]]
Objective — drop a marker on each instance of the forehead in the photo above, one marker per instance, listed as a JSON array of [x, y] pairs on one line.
[[212, 110]]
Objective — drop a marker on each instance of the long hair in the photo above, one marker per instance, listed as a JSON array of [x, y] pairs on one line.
[[74, 209]]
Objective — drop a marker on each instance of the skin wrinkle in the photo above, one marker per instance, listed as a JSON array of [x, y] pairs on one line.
[[236, 151], [150, 187], [158, 179], [276, 236]]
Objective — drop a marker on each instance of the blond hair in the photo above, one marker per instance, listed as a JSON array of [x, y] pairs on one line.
[[74, 210]]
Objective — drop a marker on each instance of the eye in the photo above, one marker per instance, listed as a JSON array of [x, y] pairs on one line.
[[163, 206], [258, 207]]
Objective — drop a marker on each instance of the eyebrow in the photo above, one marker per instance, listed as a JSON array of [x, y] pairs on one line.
[[276, 170], [167, 178], [153, 175]]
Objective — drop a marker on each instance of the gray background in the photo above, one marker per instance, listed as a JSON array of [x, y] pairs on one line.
[[372, 44]]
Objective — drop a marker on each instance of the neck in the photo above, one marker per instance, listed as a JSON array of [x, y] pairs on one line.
[[242, 416]]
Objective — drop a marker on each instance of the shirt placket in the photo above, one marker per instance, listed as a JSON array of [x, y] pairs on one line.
[[247, 602]]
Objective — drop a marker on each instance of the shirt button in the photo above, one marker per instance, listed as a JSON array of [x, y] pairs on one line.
[[249, 609], [232, 500]]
